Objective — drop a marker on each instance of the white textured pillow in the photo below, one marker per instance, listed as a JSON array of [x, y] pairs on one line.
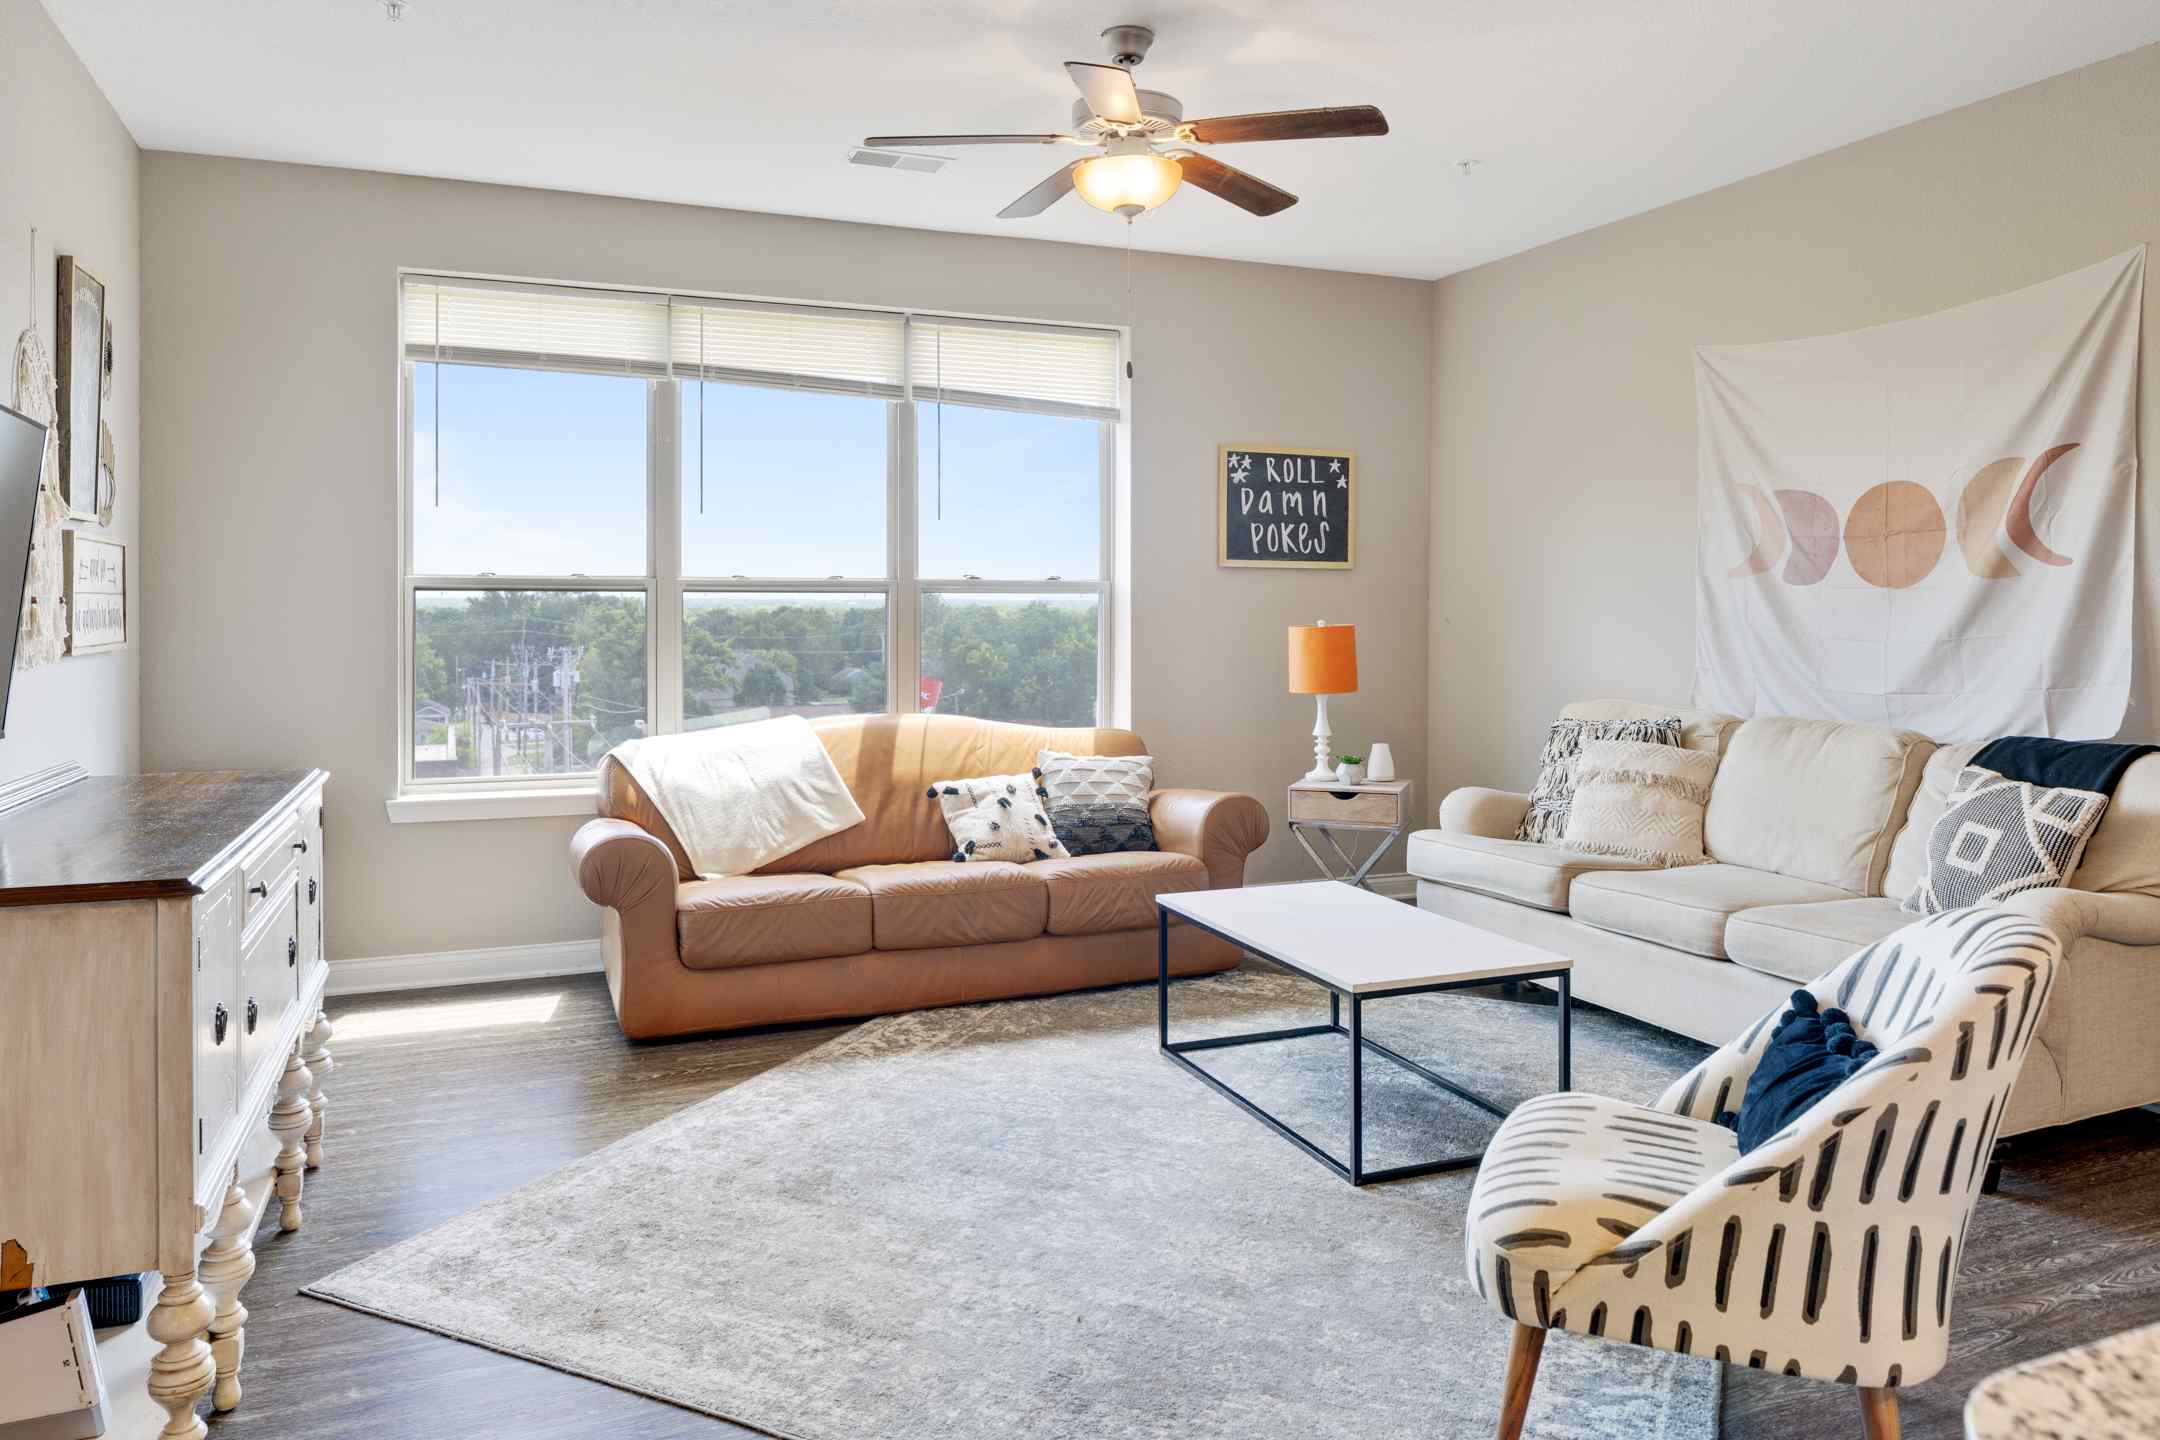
[[998, 817], [1545, 821], [1640, 801]]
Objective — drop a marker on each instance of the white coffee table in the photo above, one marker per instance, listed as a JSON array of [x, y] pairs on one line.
[[1357, 946]]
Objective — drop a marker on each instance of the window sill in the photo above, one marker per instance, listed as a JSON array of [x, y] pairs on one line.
[[424, 807]]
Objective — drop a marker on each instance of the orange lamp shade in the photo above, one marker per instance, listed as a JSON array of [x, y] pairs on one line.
[[1323, 659]]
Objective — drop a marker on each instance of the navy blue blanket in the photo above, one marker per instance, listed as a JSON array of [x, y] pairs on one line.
[[2079, 764]]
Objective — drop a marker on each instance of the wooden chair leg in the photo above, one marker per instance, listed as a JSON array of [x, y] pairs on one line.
[[1878, 1411], [1523, 1353]]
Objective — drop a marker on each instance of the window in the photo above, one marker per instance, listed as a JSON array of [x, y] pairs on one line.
[[629, 514]]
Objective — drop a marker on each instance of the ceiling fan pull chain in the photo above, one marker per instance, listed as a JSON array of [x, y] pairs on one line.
[[1128, 286]]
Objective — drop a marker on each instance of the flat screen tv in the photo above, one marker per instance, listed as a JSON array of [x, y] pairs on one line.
[[22, 455]]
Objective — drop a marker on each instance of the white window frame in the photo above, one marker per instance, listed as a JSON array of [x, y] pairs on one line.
[[664, 587]]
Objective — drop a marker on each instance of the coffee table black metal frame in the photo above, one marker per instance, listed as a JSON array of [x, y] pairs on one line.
[[1355, 1171]]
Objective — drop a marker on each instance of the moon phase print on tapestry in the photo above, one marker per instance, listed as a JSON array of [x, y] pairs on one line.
[[1928, 523]]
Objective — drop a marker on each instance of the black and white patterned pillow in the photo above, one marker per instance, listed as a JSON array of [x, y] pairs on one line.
[[1098, 803], [1546, 819], [998, 817], [2001, 836]]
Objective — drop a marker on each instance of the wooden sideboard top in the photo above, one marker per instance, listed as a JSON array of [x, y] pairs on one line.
[[135, 837]]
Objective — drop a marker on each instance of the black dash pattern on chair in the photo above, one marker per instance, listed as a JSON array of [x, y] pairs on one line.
[[1831, 1251]]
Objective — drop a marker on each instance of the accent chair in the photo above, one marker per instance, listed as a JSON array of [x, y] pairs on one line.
[[1831, 1250]]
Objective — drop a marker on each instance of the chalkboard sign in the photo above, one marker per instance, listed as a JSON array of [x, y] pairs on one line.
[[1283, 508]]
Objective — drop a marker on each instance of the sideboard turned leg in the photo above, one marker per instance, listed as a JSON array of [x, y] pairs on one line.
[[315, 1054], [181, 1372], [289, 1120], [225, 1268]]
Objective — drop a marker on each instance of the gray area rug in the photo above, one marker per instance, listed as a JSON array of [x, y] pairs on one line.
[[1019, 1220]]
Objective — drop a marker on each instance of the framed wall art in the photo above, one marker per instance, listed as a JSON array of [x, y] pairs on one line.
[[80, 370], [1280, 508], [96, 594]]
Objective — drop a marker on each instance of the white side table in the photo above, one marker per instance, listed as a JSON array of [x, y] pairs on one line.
[[1326, 809]]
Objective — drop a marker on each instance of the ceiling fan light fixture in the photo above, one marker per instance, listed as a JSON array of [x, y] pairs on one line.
[[1130, 184]]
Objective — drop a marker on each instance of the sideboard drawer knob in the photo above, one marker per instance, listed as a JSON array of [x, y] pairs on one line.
[[292, 949], [311, 892], [219, 1019], [301, 846], [253, 1014], [260, 887]]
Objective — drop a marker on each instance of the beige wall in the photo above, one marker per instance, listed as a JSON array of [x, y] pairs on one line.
[[269, 623], [1563, 517], [69, 167]]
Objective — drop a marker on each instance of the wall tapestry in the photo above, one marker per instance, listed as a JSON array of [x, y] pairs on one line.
[[1927, 524]]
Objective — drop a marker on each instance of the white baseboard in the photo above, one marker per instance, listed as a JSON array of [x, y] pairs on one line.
[[463, 967]]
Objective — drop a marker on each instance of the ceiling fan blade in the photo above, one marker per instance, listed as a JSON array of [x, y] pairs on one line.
[[1319, 124], [917, 142], [1108, 90], [1247, 192], [1043, 196]]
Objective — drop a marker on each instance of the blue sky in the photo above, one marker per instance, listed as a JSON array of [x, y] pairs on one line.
[[544, 473]]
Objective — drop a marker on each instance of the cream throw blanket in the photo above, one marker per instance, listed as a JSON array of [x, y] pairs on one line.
[[739, 796]]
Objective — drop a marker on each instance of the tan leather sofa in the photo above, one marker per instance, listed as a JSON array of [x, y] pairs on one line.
[[1817, 829], [878, 918]]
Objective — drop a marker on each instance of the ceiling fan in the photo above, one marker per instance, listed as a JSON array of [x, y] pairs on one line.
[[1145, 141]]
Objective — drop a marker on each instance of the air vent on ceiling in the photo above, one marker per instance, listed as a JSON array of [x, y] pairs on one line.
[[899, 160]]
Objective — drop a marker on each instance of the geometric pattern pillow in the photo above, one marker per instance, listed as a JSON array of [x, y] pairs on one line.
[[1546, 819], [998, 817], [2002, 836], [1098, 803]]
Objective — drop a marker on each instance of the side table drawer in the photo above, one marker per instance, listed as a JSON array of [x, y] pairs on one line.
[[1346, 807]]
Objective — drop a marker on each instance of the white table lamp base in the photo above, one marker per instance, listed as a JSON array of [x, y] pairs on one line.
[[1323, 754]]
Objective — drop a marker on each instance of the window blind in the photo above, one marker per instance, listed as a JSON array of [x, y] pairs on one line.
[[856, 351], [534, 326], [987, 362], [1003, 364]]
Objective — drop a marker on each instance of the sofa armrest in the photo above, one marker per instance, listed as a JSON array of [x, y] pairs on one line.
[[1218, 828], [632, 872], [1474, 810], [2121, 918]]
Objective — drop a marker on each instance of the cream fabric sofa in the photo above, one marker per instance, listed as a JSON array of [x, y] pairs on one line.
[[1816, 829]]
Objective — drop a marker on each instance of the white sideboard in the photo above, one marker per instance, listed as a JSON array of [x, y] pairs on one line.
[[162, 963]]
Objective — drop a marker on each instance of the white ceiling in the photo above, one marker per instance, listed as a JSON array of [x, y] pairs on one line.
[[1577, 112]]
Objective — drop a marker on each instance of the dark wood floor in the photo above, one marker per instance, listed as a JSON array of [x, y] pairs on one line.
[[428, 1119]]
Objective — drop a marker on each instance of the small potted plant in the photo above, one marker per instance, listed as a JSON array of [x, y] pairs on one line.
[[1350, 769]]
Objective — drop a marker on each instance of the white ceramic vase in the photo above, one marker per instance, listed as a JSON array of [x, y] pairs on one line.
[[1380, 765]]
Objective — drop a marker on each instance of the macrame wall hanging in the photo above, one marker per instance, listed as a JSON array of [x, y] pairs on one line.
[[43, 637]]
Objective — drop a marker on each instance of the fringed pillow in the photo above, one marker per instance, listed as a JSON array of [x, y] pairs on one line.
[[1545, 821], [1640, 801]]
